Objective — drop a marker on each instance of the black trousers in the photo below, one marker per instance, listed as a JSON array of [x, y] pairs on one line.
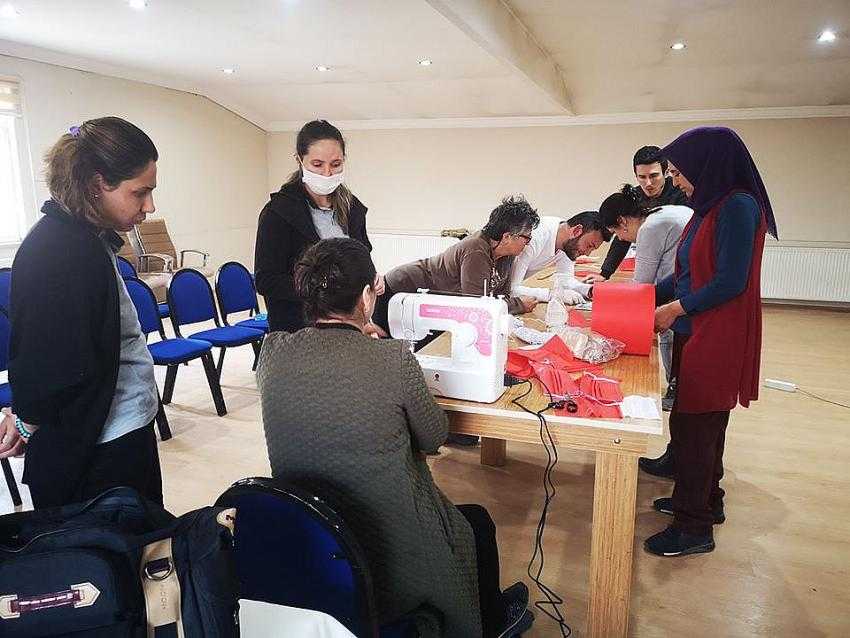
[[493, 608], [698, 441], [131, 460]]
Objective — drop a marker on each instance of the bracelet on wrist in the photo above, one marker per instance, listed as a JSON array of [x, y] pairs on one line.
[[22, 429]]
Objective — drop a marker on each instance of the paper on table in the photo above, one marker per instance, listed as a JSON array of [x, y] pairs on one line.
[[625, 311], [639, 407]]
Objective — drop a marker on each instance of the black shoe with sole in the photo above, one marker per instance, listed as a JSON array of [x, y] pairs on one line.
[[464, 440], [675, 542], [519, 617], [663, 466], [665, 506]]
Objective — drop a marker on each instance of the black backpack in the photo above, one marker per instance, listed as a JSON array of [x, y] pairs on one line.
[[118, 566]]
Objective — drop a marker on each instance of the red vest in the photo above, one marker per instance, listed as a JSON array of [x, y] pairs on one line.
[[720, 361]]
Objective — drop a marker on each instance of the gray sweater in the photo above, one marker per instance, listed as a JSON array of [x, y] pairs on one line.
[[657, 239], [349, 417]]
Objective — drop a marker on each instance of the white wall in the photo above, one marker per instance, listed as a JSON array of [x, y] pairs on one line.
[[427, 179], [212, 170]]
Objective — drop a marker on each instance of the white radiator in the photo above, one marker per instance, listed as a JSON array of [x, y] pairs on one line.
[[806, 274], [394, 249]]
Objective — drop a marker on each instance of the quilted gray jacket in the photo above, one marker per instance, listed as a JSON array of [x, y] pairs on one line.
[[350, 417]]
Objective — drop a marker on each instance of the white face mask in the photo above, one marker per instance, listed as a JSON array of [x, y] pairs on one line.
[[320, 184]]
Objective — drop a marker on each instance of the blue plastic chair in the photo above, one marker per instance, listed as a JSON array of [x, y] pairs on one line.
[[5, 287], [235, 291], [191, 300], [293, 549], [128, 271], [172, 352], [6, 401]]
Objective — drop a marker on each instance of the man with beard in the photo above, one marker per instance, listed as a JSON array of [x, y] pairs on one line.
[[558, 242]]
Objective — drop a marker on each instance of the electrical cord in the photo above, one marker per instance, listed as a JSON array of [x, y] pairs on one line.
[[550, 606], [820, 398]]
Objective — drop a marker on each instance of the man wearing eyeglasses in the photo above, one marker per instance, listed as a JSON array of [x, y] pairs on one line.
[[559, 242]]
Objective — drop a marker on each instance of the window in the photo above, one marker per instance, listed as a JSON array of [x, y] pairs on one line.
[[12, 209]]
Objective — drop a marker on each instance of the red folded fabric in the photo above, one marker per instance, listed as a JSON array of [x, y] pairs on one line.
[[576, 319], [627, 265], [588, 408], [602, 388]]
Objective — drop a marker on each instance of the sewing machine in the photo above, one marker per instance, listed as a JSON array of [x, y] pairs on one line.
[[479, 327]]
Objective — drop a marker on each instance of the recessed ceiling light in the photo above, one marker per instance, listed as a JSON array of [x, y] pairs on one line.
[[228, 71], [323, 68], [678, 46], [827, 36], [8, 11], [138, 5], [425, 62]]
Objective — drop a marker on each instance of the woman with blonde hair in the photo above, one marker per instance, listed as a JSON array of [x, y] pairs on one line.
[[82, 379]]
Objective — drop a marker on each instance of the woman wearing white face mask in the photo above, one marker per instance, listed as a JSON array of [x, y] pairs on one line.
[[313, 204]]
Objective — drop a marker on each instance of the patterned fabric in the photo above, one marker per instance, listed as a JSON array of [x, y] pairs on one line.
[[349, 417]]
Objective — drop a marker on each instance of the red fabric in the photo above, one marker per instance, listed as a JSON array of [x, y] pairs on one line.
[[625, 311], [721, 360], [627, 265], [576, 320], [602, 388], [588, 408]]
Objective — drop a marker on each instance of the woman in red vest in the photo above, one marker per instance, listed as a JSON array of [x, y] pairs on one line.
[[715, 313]]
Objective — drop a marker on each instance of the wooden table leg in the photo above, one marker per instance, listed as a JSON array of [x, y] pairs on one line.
[[614, 495], [493, 451]]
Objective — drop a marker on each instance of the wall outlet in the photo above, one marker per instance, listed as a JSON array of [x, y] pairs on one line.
[[776, 384]]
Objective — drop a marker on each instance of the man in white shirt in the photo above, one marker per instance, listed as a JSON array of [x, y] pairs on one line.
[[559, 242]]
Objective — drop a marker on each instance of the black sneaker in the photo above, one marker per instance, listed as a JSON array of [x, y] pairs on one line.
[[663, 466], [519, 618], [669, 397], [465, 440], [665, 506], [675, 542]]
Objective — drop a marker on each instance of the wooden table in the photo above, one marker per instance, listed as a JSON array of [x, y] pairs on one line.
[[617, 443]]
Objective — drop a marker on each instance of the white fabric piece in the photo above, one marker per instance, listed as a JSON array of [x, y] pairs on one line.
[[640, 407], [264, 620]]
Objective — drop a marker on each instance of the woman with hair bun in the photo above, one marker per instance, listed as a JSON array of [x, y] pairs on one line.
[[350, 418], [655, 231], [313, 204], [82, 378]]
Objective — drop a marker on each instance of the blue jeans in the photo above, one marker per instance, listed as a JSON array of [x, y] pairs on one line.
[[665, 350]]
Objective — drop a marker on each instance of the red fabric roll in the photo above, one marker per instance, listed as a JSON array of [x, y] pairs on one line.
[[625, 311]]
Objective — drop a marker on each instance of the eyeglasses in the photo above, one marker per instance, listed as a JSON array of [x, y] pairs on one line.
[[527, 238]]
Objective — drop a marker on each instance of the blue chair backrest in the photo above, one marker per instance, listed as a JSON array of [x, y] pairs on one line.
[[190, 297], [235, 289], [126, 268], [5, 332], [5, 287], [145, 302], [292, 549]]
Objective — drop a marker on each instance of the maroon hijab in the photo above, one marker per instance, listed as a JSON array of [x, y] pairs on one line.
[[716, 161]]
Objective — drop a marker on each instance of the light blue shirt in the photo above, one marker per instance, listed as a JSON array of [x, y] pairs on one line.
[[135, 402], [325, 222]]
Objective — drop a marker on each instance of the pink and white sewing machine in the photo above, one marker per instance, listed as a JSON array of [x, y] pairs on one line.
[[479, 327]]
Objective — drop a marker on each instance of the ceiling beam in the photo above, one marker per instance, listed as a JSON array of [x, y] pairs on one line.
[[495, 28]]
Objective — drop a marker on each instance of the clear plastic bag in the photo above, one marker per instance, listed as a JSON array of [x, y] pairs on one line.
[[591, 346]]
